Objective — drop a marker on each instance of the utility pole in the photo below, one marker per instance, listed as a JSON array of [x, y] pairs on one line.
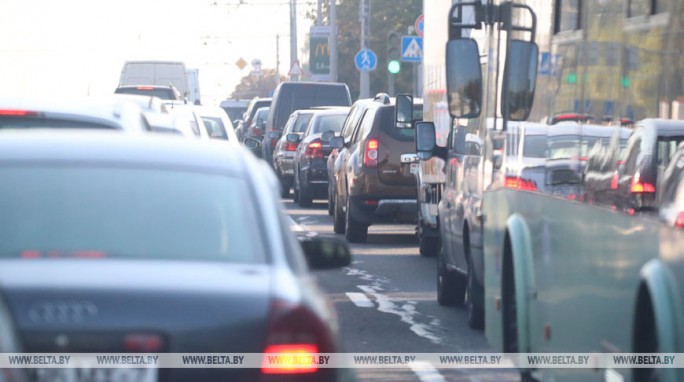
[[333, 40], [319, 15], [277, 74], [293, 36], [364, 18]]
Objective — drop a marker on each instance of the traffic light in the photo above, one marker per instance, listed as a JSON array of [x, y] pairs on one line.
[[393, 52]]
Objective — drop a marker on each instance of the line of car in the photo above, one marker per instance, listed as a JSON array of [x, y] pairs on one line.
[[121, 237]]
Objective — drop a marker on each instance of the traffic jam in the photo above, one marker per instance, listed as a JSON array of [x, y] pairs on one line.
[[434, 191]]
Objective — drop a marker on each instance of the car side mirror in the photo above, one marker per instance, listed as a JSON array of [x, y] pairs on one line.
[[274, 135], [337, 143], [327, 136], [252, 144], [292, 138], [325, 252], [425, 140]]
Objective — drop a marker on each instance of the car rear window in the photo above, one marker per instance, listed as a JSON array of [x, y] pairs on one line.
[[329, 123], [50, 123], [302, 123], [215, 128], [65, 211], [388, 126], [163, 93], [534, 146]]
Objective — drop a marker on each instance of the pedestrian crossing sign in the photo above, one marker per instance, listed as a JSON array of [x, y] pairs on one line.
[[411, 48]]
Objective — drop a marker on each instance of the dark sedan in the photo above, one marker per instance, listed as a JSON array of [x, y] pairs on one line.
[[310, 160], [121, 244]]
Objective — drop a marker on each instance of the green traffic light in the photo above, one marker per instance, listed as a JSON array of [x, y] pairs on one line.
[[394, 66], [572, 78]]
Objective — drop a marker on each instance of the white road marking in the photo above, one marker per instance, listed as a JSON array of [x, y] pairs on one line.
[[360, 300], [426, 372], [294, 226]]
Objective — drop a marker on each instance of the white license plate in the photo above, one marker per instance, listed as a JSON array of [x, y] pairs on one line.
[[94, 375], [414, 168]]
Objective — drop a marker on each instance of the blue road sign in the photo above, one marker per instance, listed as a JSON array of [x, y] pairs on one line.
[[366, 60], [411, 48], [545, 67]]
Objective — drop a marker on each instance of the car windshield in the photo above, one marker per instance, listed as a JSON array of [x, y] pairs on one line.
[[329, 123], [123, 212]]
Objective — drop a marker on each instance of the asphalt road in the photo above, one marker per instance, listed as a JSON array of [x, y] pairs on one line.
[[386, 301]]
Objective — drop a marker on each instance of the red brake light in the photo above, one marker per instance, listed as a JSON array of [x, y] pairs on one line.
[[294, 330], [639, 187], [370, 155], [614, 181], [16, 113], [370, 202], [314, 150], [145, 88], [144, 343], [290, 146], [520, 184], [679, 221]]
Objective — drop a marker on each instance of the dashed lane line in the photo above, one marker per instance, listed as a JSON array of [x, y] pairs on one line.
[[360, 300]]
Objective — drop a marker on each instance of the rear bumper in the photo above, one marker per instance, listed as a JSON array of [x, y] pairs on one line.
[[366, 210], [314, 177]]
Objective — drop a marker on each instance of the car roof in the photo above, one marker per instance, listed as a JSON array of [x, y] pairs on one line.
[[87, 109], [106, 147]]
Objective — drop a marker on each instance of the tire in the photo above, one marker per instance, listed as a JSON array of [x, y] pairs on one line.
[[305, 197], [427, 245], [475, 313], [331, 204], [284, 188], [295, 187], [339, 221], [355, 232], [450, 285]]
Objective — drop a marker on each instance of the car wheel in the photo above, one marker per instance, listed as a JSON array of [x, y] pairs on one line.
[[475, 313], [331, 205], [284, 188], [355, 232], [295, 189], [428, 245], [338, 217], [305, 197], [450, 285]]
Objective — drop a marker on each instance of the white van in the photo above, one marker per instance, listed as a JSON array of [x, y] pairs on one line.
[[156, 73], [193, 86]]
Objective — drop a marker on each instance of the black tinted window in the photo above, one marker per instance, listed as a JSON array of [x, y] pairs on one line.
[[388, 126], [534, 146]]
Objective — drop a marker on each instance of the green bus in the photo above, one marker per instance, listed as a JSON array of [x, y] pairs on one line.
[[563, 274]]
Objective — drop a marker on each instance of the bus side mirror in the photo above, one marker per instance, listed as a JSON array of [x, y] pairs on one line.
[[520, 79], [403, 111], [464, 78], [425, 140]]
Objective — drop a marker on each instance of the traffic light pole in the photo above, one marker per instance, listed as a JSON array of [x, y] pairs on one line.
[[364, 17]]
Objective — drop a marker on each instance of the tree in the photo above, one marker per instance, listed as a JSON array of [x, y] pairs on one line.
[[257, 84], [386, 16]]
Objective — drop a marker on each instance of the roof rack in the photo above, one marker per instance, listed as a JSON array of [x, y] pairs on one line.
[[384, 98]]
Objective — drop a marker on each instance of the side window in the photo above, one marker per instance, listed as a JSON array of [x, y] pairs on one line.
[[290, 123], [350, 122], [567, 15], [360, 127], [673, 181]]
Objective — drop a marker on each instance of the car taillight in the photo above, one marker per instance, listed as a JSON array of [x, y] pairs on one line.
[[144, 343], [614, 181], [16, 113], [294, 332], [370, 154], [641, 187], [679, 221], [290, 146], [145, 88], [520, 184], [314, 150]]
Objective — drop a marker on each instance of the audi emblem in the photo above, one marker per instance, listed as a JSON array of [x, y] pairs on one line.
[[62, 312]]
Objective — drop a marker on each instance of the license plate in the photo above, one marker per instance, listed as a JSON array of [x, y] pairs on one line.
[[414, 168], [94, 375]]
